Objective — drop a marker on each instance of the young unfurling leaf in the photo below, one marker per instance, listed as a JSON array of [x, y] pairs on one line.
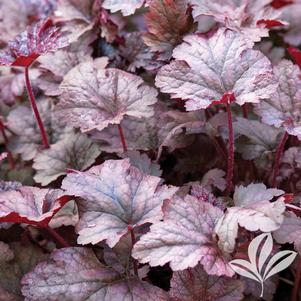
[[208, 69], [93, 98], [184, 238], [115, 197], [37, 40]]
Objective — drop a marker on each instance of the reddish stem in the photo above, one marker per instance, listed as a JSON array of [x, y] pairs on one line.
[[296, 282], [35, 109], [230, 166], [122, 138], [61, 240], [5, 138], [133, 242], [279, 154]]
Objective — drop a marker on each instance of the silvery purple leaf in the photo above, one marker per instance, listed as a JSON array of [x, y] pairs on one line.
[[207, 69], [184, 238], [115, 197], [88, 279], [94, 98]]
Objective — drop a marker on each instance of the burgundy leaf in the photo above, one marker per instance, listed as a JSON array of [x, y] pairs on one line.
[[93, 98], [37, 40], [30, 205], [116, 197], [208, 69], [281, 3], [87, 279], [167, 22], [281, 109], [184, 238], [196, 285]]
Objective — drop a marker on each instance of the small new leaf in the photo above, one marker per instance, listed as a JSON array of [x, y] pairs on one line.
[[37, 40]]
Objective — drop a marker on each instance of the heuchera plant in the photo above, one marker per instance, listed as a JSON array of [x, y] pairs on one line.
[[156, 140]]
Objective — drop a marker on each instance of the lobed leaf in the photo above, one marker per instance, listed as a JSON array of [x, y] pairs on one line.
[[262, 138], [19, 260], [184, 238], [167, 22], [206, 70], [94, 98], [30, 205], [252, 19], [27, 139], [116, 197], [289, 231], [196, 285], [87, 279], [253, 211], [37, 40], [282, 109], [74, 151]]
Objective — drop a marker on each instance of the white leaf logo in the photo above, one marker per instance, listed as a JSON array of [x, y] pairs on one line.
[[259, 251]]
